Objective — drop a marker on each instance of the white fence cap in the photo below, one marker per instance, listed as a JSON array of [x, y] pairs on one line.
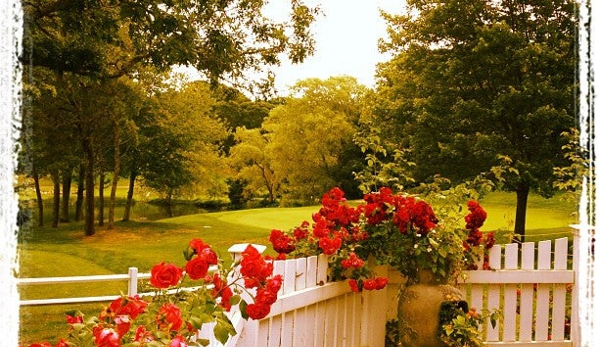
[[240, 247]]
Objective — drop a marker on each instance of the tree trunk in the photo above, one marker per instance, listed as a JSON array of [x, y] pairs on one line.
[[38, 195], [522, 201], [67, 177], [56, 198], [101, 198], [115, 175], [169, 207], [127, 213], [80, 189], [89, 187]]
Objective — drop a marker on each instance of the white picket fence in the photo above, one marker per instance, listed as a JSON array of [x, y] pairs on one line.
[[529, 284]]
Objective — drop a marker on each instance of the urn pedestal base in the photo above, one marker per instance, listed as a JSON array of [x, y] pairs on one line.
[[418, 313]]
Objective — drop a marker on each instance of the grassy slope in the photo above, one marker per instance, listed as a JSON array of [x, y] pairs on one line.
[[48, 252]]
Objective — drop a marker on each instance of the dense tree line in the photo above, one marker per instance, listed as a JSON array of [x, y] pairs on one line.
[[473, 89], [76, 52]]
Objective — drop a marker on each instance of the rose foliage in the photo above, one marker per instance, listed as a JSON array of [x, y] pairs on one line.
[[173, 315], [387, 228]]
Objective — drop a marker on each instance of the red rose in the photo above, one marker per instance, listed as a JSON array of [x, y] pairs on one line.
[[197, 245], [132, 306], [257, 311], [196, 268], [209, 256], [254, 268], [353, 261], [61, 343], [321, 228], [353, 284], [265, 296], [477, 215], [381, 282], [74, 320], [123, 323], [329, 246], [169, 317], [107, 337], [301, 232], [281, 243], [225, 298], [178, 341], [142, 335], [370, 284], [42, 344], [165, 275]]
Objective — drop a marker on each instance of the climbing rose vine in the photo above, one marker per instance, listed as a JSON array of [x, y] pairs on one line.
[[387, 228]]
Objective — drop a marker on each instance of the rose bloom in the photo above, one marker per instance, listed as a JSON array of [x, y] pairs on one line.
[[169, 316], [106, 337], [178, 341], [353, 284], [254, 268], [74, 319], [370, 284], [123, 323], [196, 268], [41, 344], [381, 282], [353, 261], [225, 298], [265, 296], [328, 245], [142, 335], [132, 306], [165, 275], [257, 311]]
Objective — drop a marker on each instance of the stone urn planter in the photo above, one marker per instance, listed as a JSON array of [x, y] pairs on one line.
[[419, 308]]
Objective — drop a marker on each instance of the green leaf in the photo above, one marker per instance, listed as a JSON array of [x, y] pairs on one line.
[[235, 299], [221, 332], [243, 309], [203, 342]]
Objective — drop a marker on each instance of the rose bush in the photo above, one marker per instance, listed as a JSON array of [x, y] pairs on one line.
[[173, 315], [396, 229]]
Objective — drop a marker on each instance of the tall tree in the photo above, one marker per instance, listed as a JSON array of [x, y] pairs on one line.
[[309, 135], [183, 149], [254, 161], [480, 86]]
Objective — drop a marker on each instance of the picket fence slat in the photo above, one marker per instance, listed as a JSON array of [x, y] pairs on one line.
[[510, 307]]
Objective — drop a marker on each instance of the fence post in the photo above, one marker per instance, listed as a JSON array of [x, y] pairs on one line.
[[575, 331], [238, 248], [132, 285]]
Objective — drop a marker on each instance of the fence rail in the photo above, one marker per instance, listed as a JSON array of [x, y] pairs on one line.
[[132, 277]]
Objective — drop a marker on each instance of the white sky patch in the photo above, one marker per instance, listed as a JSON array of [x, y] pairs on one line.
[[346, 34], [346, 42]]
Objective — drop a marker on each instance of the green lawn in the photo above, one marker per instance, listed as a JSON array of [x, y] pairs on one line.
[[48, 252]]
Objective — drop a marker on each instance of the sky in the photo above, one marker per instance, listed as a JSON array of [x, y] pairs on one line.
[[346, 41], [346, 34]]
